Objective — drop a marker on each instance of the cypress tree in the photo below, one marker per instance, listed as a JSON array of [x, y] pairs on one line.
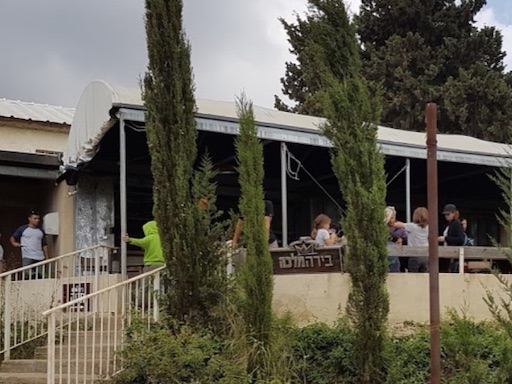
[[256, 275], [359, 167], [194, 263]]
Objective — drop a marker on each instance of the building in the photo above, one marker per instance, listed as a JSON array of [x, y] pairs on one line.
[[32, 139]]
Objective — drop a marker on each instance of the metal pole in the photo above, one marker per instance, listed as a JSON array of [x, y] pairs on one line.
[[122, 193], [284, 195], [408, 190], [433, 251]]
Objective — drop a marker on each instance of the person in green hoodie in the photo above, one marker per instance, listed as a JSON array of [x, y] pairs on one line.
[[153, 255]]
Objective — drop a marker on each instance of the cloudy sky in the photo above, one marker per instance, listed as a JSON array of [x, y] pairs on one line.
[[51, 49]]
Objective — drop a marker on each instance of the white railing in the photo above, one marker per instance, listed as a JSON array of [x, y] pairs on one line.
[[28, 291], [86, 335]]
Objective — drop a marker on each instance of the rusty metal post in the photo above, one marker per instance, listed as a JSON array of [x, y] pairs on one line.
[[433, 244]]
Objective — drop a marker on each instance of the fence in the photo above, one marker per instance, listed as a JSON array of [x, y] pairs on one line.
[[28, 291], [85, 335]]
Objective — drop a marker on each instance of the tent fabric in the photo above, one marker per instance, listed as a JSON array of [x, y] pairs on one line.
[[94, 117]]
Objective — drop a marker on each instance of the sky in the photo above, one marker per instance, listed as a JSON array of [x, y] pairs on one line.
[[50, 53]]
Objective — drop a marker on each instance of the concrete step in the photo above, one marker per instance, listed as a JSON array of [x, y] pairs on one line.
[[40, 366], [80, 337], [83, 352], [40, 378]]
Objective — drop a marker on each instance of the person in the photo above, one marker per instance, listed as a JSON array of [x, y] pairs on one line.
[[417, 236], [322, 232], [32, 241], [269, 214], [469, 239], [396, 236], [153, 254], [2, 266], [453, 234]]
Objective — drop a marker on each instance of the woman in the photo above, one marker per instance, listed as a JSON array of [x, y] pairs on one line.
[[417, 236], [453, 233], [396, 236]]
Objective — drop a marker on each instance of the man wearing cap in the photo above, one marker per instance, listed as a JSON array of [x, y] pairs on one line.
[[453, 233]]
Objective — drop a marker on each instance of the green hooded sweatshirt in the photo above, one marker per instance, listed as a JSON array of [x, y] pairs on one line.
[[153, 254]]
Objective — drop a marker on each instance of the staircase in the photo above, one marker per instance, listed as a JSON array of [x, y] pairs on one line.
[[85, 334], [83, 356]]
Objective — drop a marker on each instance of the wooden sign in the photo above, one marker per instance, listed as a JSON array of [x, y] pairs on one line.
[[306, 257]]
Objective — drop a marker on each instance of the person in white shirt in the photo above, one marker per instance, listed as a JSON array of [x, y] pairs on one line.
[[321, 231], [417, 236]]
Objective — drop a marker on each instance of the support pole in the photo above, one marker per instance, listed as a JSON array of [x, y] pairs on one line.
[[284, 195], [122, 193], [433, 250], [408, 190]]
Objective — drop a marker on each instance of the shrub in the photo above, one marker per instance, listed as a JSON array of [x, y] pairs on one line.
[[159, 356], [324, 354]]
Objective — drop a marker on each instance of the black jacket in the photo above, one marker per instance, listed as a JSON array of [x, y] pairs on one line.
[[455, 234]]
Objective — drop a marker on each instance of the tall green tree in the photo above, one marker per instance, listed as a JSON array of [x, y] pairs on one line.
[[412, 51], [256, 278], [419, 50], [315, 41], [194, 265], [331, 51]]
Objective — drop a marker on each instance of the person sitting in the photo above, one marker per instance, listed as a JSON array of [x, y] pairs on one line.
[[469, 240], [322, 232]]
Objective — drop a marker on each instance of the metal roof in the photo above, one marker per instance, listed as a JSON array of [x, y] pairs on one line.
[[93, 118], [36, 112]]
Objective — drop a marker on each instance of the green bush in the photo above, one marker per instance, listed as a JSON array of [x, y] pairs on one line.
[[158, 356], [324, 354], [472, 352]]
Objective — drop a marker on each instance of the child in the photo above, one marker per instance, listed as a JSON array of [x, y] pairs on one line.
[[321, 233]]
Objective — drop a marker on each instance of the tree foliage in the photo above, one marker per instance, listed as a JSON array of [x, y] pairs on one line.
[[418, 51], [256, 276], [189, 238], [412, 51], [340, 93]]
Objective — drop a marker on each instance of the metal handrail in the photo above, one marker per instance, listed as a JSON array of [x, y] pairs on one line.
[[25, 292], [101, 291], [90, 330], [54, 259]]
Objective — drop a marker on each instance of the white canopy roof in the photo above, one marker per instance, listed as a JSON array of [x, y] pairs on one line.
[[93, 118]]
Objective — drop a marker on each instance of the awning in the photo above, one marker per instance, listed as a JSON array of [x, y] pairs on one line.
[[100, 102], [29, 165]]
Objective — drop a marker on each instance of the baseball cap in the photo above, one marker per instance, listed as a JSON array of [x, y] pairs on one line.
[[449, 208]]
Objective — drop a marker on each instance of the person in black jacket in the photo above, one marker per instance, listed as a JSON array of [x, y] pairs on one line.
[[453, 233]]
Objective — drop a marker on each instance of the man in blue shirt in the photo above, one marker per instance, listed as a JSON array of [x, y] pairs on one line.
[[32, 240]]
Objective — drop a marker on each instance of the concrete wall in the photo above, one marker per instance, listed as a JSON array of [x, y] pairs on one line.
[[64, 205], [29, 137], [323, 297], [36, 296]]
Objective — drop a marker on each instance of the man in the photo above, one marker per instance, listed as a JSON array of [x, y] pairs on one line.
[[269, 214], [153, 255], [32, 240]]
